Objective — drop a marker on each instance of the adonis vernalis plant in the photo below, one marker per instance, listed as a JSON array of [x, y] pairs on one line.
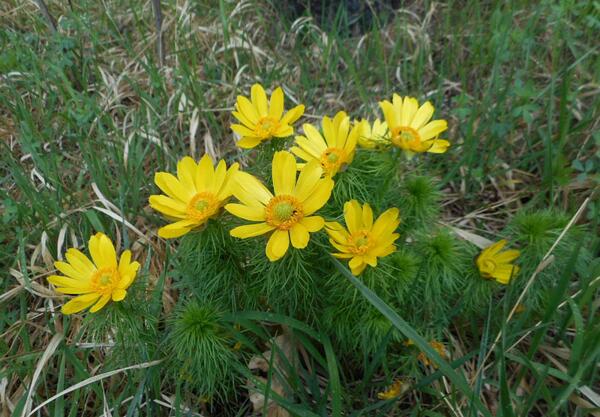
[[197, 193], [410, 127], [96, 281], [261, 120], [333, 152], [321, 196], [286, 215]]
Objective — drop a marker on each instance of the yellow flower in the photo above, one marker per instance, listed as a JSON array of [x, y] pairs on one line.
[[287, 214], [410, 128], [197, 194], [373, 136], [394, 390], [334, 151], [497, 265], [95, 281], [440, 349], [364, 241], [260, 120]]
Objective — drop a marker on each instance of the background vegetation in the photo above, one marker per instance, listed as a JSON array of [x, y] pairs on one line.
[[93, 102]]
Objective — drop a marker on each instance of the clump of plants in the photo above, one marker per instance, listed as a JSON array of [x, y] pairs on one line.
[[282, 234]]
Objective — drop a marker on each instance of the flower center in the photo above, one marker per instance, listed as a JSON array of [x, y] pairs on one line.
[[332, 159], [360, 242], [284, 211], [266, 127], [202, 206], [406, 137], [105, 280]]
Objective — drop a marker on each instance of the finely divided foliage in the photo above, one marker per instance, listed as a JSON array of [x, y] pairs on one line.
[[298, 208]]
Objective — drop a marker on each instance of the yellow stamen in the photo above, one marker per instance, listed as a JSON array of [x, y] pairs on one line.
[[332, 159], [266, 127], [284, 211], [360, 242], [105, 280], [202, 206], [406, 137]]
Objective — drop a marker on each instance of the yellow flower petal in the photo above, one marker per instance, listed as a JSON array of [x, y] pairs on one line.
[[80, 303], [242, 211], [439, 146], [388, 113], [176, 229], [299, 236], [292, 115], [100, 303], [250, 191], [432, 129], [247, 109], [357, 265], [186, 171], [102, 251], [248, 142], [422, 116], [314, 142], [277, 245], [60, 281], [284, 173], [319, 197], [80, 262], [226, 189], [313, 223], [242, 130], [388, 221], [172, 187], [353, 216], [284, 131], [119, 294], [302, 154], [259, 99], [250, 230], [243, 119], [410, 106], [69, 271], [367, 216], [276, 104], [507, 256], [204, 176], [168, 206]]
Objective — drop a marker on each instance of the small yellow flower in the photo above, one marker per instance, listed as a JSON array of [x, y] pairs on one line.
[[95, 281], [393, 391], [195, 195], [334, 151], [410, 128], [364, 241], [288, 213], [441, 350], [493, 263], [261, 120], [374, 136]]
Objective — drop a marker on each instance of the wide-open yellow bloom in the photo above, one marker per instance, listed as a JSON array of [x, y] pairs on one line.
[[261, 120], [335, 150], [372, 136], [410, 126], [96, 281], [287, 215], [195, 195], [493, 263], [364, 240]]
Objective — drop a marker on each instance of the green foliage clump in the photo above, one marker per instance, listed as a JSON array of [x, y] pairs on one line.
[[200, 349], [535, 233]]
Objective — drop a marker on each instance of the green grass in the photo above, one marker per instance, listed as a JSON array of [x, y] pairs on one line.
[[87, 116]]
